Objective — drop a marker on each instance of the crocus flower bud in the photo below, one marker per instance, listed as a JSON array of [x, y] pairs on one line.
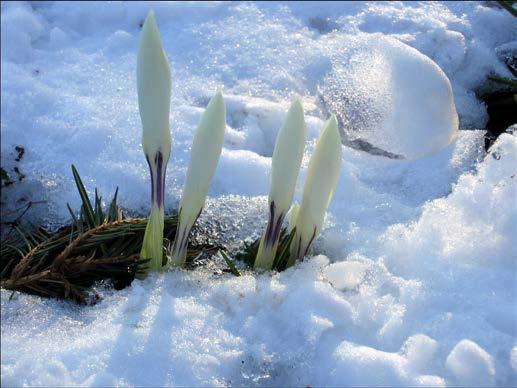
[[287, 158], [154, 98], [205, 152], [322, 177]]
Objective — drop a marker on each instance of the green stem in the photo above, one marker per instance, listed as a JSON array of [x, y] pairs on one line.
[[179, 248], [152, 246]]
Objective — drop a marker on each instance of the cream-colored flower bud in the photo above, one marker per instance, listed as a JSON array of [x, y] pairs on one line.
[[285, 166], [154, 98], [320, 183], [205, 153]]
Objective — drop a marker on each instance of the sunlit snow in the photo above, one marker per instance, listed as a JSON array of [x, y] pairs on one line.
[[414, 280]]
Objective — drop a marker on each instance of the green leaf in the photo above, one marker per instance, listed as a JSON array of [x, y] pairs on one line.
[[113, 209], [230, 264], [281, 260], [87, 205], [74, 218], [99, 214]]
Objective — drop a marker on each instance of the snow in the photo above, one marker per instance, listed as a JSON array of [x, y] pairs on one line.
[[414, 281], [470, 364], [401, 103]]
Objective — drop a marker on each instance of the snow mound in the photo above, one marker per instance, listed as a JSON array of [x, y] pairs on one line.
[[474, 226], [471, 365], [148, 334], [401, 102], [20, 28]]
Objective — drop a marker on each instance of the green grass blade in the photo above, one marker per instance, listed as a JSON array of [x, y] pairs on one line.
[[99, 216], [87, 205], [230, 264], [113, 208], [74, 218]]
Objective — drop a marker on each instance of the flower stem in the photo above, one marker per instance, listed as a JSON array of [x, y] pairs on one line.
[[152, 247], [179, 247], [269, 241]]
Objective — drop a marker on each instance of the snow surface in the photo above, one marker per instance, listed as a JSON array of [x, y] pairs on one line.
[[415, 281]]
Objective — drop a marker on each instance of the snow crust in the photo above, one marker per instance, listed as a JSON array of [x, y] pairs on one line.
[[415, 280]]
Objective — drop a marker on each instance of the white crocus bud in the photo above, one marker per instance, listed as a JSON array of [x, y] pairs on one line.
[[287, 158], [205, 152], [154, 98], [322, 177]]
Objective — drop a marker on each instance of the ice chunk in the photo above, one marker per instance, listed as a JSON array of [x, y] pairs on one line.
[[420, 351], [470, 364], [402, 102], [345, 275], [381, 366]]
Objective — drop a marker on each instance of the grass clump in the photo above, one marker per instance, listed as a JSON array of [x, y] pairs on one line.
[[100, 243]]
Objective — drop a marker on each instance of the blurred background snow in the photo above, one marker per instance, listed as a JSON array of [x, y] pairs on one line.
[[416, 284]]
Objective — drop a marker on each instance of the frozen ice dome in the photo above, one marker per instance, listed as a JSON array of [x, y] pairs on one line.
[[401, 102]]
